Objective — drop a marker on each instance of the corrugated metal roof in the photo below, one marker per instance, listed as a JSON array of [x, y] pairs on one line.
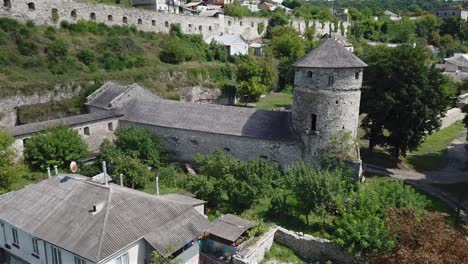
[[230, 227], [59, 210], [219, 119], [330, 54]]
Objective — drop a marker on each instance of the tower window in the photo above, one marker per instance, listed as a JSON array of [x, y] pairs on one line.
[[110, 18], [356, 76], [125, 20], [110, 126], [93, 16], [7, 4], [86, 131], [73, 14], [313, 123], [153, 22], [200, 28], [140, 21], [331, 80], [31, 6], [166, 24], [310, 74]]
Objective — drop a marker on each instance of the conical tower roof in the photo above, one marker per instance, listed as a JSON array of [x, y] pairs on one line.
[[330, 54]]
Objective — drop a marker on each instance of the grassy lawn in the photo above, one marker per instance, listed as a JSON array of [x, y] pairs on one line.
[[281, 254], [272, 101], [430, 156]]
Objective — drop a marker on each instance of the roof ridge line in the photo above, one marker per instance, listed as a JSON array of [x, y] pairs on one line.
[[98, 252]]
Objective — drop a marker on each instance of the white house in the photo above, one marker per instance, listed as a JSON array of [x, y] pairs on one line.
[[235, 44], [70, 219]]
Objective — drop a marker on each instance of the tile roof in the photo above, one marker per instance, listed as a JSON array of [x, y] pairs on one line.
[[230, 227], [210, 118], [57, 210], [330, 54], [71, 120]]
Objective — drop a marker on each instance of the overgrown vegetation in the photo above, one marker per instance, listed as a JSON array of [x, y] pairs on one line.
[[35, 58], [55, 146]]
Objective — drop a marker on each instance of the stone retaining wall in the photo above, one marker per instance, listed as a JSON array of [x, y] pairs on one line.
[[451, 116], [52, 12], [310, 248]]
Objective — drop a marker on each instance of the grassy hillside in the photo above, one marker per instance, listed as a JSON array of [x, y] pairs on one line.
[[36, 57]]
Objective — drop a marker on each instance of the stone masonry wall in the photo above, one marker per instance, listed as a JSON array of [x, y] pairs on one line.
[[145, 20], [9, 104], [52, 12], [183, 145], [451, 116], [255, 253], [98, 132], [312, 248]]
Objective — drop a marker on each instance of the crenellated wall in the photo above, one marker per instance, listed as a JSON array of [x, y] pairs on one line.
[[52, 12]]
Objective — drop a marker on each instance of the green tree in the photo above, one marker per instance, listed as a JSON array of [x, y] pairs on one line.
[[404, 100], [139, 143], [55, 146], [10, 172], [255, 77], [136, 174], [236, 10], [360, 226], [317, 191]]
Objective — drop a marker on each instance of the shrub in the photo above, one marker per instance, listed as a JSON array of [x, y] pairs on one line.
[[172, 52], [260, 27], [55, 146], [58, 48], [86, 56], [27, 48], [50, 33]]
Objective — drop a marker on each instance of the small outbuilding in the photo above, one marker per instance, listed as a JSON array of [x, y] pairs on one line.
[[235, 44]]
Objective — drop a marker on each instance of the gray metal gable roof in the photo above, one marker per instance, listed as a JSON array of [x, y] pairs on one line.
[[210, 118], [330, 54], [104, 96], [57, 210]]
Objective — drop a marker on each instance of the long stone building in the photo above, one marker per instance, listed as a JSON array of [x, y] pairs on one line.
[[326, 101]]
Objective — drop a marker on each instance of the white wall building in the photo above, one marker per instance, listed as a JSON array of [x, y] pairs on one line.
[[235, 44], [71, 219]]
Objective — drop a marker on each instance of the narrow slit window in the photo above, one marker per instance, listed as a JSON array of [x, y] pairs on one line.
[[313, 124], [35, 246], [153, 22], [14, 231], [110, 126], [125, 20], [356, 76], [331, 80], [86, 131], [92, 16], [74, 15], [140, 21], [110, 18], [310, 74]]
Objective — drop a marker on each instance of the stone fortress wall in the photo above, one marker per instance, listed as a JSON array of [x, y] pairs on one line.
[[52, 12]]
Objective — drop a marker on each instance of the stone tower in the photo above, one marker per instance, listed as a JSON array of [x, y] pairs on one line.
[[326, 95]]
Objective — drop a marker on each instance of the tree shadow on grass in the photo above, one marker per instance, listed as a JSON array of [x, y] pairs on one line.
[[428, 162], [379, 157]]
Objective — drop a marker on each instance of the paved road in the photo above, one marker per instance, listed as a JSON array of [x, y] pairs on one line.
[[457, 154]]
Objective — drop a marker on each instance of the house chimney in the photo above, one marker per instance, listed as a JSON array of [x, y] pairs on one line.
[[56, 169], [104, 171], [121, 179], [48, 173]]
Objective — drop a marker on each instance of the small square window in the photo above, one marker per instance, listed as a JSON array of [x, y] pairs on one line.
[[123, 259], [310, 74]]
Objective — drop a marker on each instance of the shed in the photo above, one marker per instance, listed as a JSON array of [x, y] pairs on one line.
[[235, 44], [230, 228]]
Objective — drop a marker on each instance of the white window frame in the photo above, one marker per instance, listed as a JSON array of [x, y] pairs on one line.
[[121, 260], [14, 232], [79, 260], [56, 255], [35, 245]]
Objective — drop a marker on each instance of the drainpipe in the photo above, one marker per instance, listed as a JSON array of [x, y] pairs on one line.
[[104, 171]]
